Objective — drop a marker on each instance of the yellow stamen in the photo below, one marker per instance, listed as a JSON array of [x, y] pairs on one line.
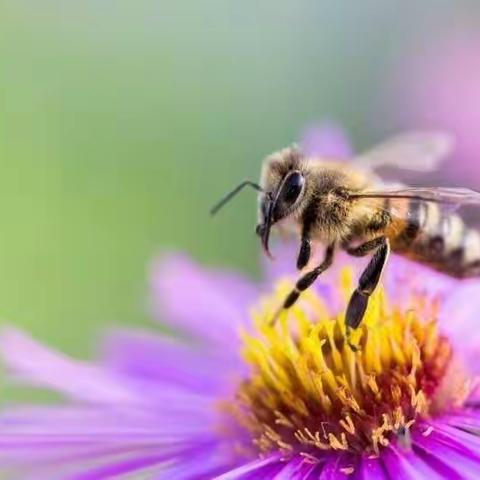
[[308, 390]]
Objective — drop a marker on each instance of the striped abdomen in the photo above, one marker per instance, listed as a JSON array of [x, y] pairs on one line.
[[436, 238]]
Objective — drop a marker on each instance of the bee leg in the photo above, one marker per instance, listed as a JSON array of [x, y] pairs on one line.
[[308, 220], [307, 280], [369, 279], [366, 247], [304, 253]]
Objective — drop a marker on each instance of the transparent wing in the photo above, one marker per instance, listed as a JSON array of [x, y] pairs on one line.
[[415, 151], [443, 195]]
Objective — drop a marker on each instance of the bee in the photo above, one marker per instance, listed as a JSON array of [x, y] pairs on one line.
[[346, 205]]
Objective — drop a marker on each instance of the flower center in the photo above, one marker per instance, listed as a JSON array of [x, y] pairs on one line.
[[308, 391]]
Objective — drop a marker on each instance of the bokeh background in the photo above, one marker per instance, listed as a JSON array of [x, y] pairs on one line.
[[121, 122]]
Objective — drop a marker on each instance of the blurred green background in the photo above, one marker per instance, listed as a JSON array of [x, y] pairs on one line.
[[122, 122]]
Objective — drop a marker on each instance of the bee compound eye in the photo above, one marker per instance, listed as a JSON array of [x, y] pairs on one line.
[[292, 188]]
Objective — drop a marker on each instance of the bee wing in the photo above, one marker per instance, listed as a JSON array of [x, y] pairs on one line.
[[444, 195], [450, 199], [415, 151]]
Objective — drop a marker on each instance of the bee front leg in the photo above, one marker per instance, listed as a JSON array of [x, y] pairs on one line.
[[307, 280], [308, 221], [304, 253], [369, 279]]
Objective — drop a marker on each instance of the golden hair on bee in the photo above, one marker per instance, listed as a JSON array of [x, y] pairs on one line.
[[346, 205]]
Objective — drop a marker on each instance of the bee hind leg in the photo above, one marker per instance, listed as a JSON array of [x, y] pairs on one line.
[[306, 281], [357, 306]]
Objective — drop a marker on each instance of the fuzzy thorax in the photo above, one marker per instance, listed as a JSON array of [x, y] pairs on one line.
[[308, 392]]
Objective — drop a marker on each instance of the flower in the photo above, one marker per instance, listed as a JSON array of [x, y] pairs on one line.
[[239, 401], [234, 397]]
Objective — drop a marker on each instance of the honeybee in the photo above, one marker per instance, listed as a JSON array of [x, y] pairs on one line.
[[346, 205]]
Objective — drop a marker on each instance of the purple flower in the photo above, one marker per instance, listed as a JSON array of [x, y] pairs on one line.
[[233, 397], [225, 400]]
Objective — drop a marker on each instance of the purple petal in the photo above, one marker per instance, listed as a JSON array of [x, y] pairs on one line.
[[39, 366], [404, 277], [88, 442], [209, 305], [122, 467], [254, 470], [36, 364], [325, 140], [168, 360], [465, 420], [459, 320], [371, 469], [283, 265], [103, 423], [407, 465], [449, 451], [296, 469], [334, 468], [202, 462], [453, 436]]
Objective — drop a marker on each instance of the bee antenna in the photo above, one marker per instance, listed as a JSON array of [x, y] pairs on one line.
[[237, 189]]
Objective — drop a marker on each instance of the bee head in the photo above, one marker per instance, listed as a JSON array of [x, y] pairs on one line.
[[280, 204], [283, 184], [280, 193]]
